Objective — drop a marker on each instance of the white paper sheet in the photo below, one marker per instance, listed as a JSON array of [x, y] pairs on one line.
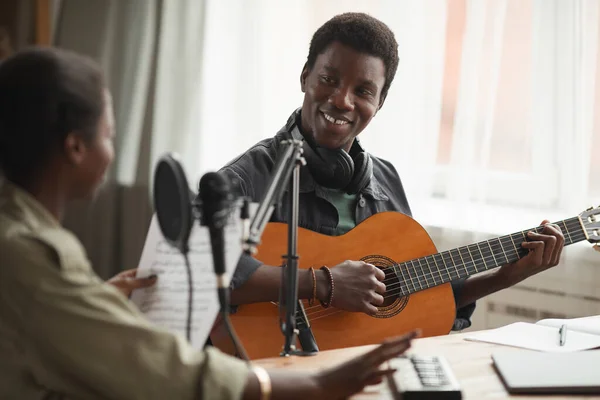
[[536, 337], [166, 302]]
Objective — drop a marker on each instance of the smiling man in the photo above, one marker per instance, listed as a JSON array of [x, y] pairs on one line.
[[351, 64]]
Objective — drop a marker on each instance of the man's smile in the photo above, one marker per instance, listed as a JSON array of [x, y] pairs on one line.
[[335, 120]]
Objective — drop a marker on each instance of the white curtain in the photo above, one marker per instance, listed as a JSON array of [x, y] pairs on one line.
[[151, 52], [523, 129], [255, 51], [490, 119]]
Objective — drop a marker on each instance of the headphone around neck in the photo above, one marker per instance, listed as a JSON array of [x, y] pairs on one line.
[[335, 169]]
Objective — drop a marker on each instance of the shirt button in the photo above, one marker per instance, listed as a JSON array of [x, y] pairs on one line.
[[362, 202]]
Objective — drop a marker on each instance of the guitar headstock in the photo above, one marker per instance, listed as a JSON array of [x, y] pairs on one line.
[[590, 219]]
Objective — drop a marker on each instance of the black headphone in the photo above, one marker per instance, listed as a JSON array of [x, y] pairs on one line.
[[335, 169]]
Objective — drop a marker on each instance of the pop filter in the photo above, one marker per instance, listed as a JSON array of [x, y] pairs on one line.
[[172, 201]]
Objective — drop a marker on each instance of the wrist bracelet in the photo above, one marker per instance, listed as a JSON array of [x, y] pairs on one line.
[[311, 301], [264, 380], [328, 272]]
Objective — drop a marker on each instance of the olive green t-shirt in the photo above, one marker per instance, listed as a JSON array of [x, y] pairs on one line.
[[345, 204]]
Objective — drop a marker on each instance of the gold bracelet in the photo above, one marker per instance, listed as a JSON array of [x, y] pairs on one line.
[[264, 381]]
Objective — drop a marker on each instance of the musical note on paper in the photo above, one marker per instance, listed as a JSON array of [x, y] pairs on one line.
[[166, 302]]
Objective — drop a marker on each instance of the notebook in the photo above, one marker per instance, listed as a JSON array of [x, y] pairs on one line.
[[585, 324], [582, 334], [534, 372]]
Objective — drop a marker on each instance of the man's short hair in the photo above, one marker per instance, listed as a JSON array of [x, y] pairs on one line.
[[45, 94], [364, 34]]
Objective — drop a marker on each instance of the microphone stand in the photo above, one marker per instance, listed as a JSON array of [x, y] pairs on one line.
[[287, 163]]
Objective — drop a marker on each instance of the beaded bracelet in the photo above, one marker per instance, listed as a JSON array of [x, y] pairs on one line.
[[311, 301], [328, 271]]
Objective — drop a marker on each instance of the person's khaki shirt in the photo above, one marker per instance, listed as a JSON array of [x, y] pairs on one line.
[[66, 334]]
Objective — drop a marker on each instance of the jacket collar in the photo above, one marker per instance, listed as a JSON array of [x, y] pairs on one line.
[[307, 182]]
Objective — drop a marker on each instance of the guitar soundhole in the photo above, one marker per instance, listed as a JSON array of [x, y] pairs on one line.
[[393, 302]]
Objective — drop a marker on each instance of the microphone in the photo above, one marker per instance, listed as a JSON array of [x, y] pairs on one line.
[[216, 197]]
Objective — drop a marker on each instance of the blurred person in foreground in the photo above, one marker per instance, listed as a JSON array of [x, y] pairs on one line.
[[64, 333]]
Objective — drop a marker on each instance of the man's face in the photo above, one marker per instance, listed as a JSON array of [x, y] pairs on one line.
[[342, 93]]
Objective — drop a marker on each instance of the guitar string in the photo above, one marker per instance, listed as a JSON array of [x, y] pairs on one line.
[[390, 293], [323, 313], [446, 271], [319, 314], [577, 235], [486, 253], [399, 282], [400, 279]]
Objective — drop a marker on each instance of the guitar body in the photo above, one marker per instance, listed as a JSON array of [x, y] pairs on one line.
[[384, 239]]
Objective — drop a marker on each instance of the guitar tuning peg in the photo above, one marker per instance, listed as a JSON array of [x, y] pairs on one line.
[[590, 209]]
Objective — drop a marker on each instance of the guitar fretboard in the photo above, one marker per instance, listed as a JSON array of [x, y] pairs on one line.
[[433, 270]]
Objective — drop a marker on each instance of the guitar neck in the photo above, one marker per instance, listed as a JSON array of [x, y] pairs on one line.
[[433, 270]]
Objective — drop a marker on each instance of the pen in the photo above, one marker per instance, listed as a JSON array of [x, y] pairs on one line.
[[562, 332]]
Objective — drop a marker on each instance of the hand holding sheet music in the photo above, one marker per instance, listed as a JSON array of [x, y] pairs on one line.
[[166, 302]]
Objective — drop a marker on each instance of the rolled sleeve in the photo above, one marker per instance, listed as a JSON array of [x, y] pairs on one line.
[[86, 340], [246, 266], [463, 314]]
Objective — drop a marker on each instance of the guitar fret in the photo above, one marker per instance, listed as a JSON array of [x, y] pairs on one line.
[[438, 269], [398, 267], [430, 271], [492, 251], [567, 230], [515, 246], [450, 264], [412, 281], [445, 266], [454, 264], [503, 252], [424, 274], [446, 279], [412, 278], [463, 262], [482, 256], [421, 275], [472, 266], [472, 258], [507, 249], [416, 274]]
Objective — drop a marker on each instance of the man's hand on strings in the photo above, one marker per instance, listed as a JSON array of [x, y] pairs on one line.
[[358, 286], [544, 248]]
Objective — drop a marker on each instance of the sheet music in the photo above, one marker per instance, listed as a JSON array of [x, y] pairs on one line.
[[166, 302]]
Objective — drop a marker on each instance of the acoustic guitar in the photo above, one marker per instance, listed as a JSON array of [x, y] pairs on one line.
[[418, 291]]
